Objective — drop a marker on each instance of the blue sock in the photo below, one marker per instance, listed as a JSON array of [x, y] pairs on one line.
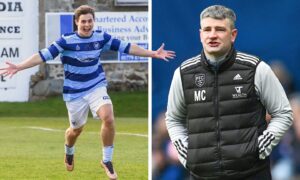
[[69, 150], [107, 153]]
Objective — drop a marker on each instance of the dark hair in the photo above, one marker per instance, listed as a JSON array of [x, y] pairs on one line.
[[84, 9]]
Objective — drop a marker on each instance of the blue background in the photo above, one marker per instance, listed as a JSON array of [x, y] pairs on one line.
[[269, 29]]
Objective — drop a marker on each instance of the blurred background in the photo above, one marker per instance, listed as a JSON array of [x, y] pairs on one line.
[[268, 29]]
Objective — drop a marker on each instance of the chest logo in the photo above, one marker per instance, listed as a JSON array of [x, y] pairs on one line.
[[200, 80], [96, 45], [238, 89], [237, 77], [239, 93]]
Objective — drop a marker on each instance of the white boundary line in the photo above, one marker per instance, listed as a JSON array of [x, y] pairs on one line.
[[59, 130]]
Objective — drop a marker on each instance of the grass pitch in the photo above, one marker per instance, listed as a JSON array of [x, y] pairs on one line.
[[32, 140], [126, 104], [33, 148]]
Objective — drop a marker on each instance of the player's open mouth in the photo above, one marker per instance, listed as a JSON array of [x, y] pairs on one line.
[[86, 30]]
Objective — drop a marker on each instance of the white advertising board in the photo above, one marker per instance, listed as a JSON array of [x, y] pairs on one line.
[[127, 26], [18, 40]]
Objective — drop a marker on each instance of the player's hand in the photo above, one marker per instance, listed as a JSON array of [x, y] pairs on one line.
[[161, 53], [10, 70]]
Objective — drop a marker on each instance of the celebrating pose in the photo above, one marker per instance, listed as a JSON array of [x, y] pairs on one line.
[[85, 82]]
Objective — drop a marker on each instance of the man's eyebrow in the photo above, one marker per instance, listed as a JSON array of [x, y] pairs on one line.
[[220, 27], [87, 19]]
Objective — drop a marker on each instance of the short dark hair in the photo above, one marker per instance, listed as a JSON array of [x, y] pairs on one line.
[[84, 9]]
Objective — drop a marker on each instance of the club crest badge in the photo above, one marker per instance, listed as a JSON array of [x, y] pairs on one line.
[[200, 80], [96, 45]]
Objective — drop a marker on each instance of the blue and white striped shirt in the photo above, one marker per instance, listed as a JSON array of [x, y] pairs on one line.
[[80, 57]]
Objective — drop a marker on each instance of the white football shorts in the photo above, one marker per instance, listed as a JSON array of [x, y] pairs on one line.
[[78, 109]]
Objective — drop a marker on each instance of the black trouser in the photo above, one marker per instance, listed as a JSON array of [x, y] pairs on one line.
[[264, 174]]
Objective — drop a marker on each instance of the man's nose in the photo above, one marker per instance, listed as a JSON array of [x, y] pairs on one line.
[[212, 34]]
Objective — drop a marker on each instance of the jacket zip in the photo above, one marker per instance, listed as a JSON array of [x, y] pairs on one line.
[[217, 120]]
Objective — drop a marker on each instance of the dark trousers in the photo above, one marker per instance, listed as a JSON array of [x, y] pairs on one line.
[[264, 174]]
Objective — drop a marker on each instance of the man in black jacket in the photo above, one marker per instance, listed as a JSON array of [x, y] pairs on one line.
[[217, 106]]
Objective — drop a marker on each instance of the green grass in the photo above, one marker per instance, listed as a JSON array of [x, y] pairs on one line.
[[27, 153], [126, 104]]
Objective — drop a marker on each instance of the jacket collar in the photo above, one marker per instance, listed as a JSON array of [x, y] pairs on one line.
[[228, 62]]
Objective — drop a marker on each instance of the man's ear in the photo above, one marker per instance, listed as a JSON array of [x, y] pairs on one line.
[[76, 22], [200, 35], [233, 35]]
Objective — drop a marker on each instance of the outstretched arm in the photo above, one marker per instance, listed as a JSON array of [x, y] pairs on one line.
[[12, 69], [160, 53]]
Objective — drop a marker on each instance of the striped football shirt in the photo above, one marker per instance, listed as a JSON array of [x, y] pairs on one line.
[[80, 57]]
